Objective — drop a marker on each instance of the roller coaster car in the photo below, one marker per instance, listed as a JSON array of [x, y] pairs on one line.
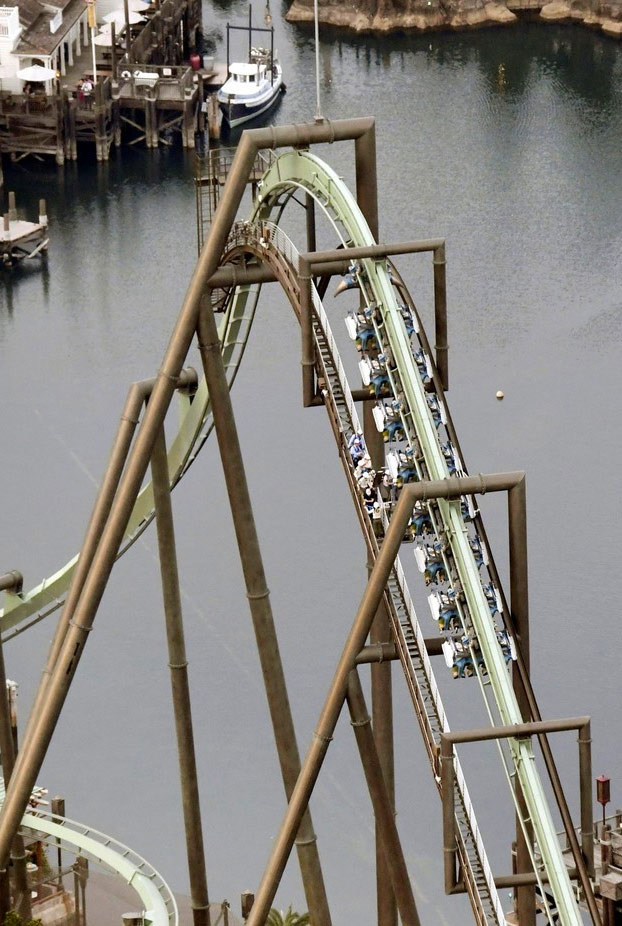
[[460, 659], [507, 644], [479, 552], [388, 420], [493, 598], [423, 365], [450, 457], [467, 508], [361, 331], [409, 320], [421, 520], [445, 611], [409, 534], [437, 409], [352, 278], [374, 375], [430, 562], [401, 464]]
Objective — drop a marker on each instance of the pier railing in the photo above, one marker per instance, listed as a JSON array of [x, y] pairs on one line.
[[134, 82]]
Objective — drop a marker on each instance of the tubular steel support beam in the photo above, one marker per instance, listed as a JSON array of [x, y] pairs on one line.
[[137, 395], [387, 651], [306, 329], [35, 747], [382, 803], [259, 602], [332, 708], [180, 688], [449, 740], [330, 262], [450, 488], [382, 714], [11, 582], [441, 348], [534, 714], [519, 603]]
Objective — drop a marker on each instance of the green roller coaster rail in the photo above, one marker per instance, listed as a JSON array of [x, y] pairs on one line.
[[303, 170], [156, 897], [81, 842], [195, 423]]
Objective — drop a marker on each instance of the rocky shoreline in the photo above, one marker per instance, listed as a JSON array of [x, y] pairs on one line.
[[386, 16]]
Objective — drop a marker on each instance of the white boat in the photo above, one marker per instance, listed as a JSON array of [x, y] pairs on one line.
[[252, 87]]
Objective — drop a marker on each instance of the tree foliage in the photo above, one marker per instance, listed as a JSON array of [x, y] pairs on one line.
[[12, 918], [291, 918]]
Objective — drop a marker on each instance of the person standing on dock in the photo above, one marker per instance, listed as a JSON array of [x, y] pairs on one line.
[[87, 92]]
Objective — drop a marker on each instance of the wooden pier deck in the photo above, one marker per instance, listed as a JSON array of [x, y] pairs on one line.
[[22, 240], [144, 93]]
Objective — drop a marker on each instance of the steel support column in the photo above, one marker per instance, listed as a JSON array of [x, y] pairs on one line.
[[441, 347], [330, 712], [310, 221], [137, 394], [451, 488], [525, 896], [382, 707], [33, 750], [532, 728], [259, 602], [180, 688], [382, 803], [306, 331]]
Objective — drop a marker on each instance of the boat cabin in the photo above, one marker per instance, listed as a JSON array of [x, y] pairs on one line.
[[248, 74]]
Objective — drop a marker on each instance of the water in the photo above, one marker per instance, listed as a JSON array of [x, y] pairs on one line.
[[504, 142]]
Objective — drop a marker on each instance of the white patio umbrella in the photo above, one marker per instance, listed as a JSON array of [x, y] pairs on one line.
[[135, 6], [36, 72], [118, 18], [104, 39], [107, 27]]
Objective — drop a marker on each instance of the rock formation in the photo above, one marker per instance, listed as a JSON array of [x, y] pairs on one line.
[[383, 16]]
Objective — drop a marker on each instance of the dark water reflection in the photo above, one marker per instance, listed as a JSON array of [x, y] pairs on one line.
[[507, 143]]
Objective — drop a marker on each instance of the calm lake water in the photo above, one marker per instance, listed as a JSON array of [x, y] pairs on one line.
[[507, 144]]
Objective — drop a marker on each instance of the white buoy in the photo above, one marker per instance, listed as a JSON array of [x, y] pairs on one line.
[[500, 395]]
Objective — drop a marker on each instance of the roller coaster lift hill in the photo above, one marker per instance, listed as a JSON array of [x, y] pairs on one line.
[[411, 491]]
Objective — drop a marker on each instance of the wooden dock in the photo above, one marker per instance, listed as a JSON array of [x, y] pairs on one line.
[[21, 240], [143, 94]]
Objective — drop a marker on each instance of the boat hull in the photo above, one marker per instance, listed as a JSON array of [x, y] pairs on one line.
[[236, 109]]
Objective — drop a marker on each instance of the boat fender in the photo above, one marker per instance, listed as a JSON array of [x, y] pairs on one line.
[[126, 75]]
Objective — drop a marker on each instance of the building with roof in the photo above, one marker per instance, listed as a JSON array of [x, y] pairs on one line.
[[49, 33]]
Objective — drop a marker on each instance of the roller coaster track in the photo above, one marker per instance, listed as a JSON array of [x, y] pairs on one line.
[[421, 414], [22, 611], [406, 629], [157, 899], [421, 417], [158, 902]]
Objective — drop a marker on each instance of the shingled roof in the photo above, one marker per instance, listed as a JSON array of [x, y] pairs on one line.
[[35, 17]]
